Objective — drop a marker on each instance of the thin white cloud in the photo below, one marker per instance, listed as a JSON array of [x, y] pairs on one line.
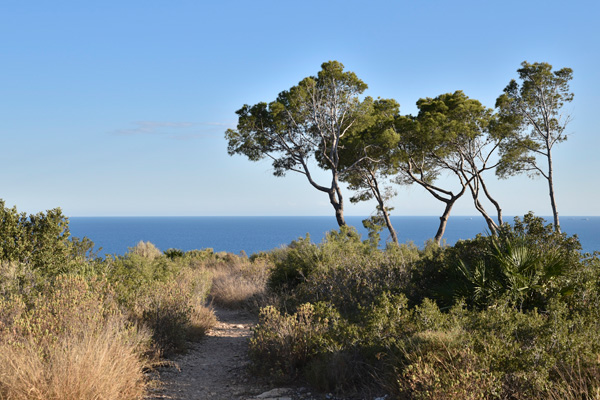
[[175, 130]]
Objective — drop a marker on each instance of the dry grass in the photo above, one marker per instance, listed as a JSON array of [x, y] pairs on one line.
[[239, 283], [146, 250], [202, 319], [577, 382], [94, 366], [72, 343], [175, 310]]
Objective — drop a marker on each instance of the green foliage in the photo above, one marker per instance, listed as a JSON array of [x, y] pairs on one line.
[[284, 344], [138, 269], [41, 241], [290, 127], [534, 120], [532, 113], [342, 270], [307, 123], [512, 316], [527, 263], [293, 264], [173, 253]]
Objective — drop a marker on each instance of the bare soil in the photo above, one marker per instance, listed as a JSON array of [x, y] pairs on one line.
[[216, 367]]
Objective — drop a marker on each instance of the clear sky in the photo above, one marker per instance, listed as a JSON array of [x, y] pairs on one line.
[[112, 108]]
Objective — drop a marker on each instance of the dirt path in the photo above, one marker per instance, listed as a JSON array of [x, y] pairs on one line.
[[216, 367]]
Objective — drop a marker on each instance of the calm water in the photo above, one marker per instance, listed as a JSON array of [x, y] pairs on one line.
[[254, 234]]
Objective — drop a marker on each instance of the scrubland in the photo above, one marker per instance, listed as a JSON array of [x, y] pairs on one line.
[[76, 326], [515, 316]]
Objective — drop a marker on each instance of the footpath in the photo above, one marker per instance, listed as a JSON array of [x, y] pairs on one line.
[[216, 368]]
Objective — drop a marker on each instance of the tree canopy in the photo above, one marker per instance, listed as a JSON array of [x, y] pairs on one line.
[[535, 112], [307, 121], [368, 145]]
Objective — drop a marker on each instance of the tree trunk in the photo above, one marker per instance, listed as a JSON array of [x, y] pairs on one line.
[[474, 188], [444, 220], [339, 215], [375, 189], [338, 206], [386, 217], [494, 202], [551, 191], [490, 222], [336, 200]]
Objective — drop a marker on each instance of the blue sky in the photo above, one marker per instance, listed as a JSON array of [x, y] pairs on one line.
[[119, 107]]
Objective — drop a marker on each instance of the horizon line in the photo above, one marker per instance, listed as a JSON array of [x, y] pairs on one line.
[[309, 216]]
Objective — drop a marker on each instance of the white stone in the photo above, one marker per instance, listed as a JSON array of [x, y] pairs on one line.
[[275, 394]]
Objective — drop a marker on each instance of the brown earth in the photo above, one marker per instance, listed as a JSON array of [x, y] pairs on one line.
[[216, 367]]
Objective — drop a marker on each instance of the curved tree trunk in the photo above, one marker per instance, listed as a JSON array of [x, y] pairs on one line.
[[474, 188], [372, 180], [444, 220], [490, 222], [388, 223], [551, 192], [338, 206], [493, 201], [337, 201]]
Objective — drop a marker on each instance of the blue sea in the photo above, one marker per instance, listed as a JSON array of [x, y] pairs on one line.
[[114, 235]]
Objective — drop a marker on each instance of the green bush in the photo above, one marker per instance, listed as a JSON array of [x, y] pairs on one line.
[[293, 264], [42, 241], [509, 317], [283, 344], [527, 263], [342, 270]]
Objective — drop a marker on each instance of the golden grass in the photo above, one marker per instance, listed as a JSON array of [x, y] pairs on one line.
[[97, 365], [72, 342], [146, 250], [202, 319], [239, 283]]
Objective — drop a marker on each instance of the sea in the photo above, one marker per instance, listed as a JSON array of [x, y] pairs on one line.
[[115, 235]]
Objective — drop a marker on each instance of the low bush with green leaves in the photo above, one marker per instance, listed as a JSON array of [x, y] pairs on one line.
[[512, 316]]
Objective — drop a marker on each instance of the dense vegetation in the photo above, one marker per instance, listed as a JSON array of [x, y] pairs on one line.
[[509, 316], [74, 326], [512, 316]]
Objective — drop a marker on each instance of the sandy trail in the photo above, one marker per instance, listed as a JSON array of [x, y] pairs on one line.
[[215, 367]]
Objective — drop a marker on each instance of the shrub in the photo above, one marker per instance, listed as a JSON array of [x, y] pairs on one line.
[[134, 272], [239, 282], [527, 262], [436, 365], [355, 280], [70, 341], [145, 250], [42, 241], [174, 310], [173, 253], [293, 264], [342, 270], [283, 344]]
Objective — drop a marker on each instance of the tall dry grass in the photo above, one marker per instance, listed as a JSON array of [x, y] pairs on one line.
[[95, 365], [239, 282], [70, 341], [175, 309], [146, 250]]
